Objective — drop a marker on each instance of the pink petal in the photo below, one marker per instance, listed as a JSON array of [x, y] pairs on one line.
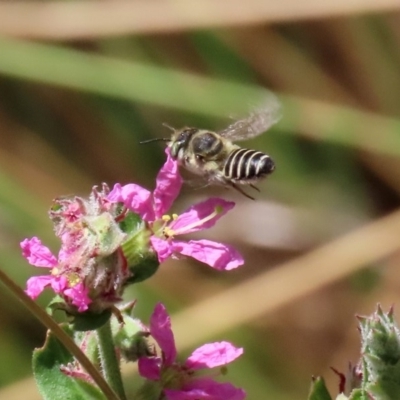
[[71, 241], [195, 394], [36, 285], [135, 198], [168, 186], [79, 296], [150, 368], [162, 247], [213, 355], [59, 284], [37, 254], [217, 255], [200, 211], [198, 389], [73, 212], [160, 329]]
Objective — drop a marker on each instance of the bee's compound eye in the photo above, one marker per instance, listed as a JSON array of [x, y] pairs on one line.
[[182, 137], [186, 134], [174, 150]]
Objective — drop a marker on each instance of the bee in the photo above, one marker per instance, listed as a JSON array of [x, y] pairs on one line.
[[217, 159]]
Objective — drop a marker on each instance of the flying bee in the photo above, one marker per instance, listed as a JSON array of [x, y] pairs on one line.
[[214, 156]]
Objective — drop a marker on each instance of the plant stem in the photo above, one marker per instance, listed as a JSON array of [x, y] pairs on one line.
[[109, 361]]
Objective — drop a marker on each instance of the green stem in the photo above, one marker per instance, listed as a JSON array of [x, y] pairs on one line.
[[61, 335], [109, 361]]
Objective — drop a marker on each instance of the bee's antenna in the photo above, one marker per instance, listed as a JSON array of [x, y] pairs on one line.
[[168, 126], [155, 140]]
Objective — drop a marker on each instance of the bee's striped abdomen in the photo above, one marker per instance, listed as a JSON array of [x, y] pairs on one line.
[[245, 164]]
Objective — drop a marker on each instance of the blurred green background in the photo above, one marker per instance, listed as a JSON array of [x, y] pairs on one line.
[[81, 87]]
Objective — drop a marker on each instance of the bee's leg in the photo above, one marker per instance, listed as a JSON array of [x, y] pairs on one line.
[[241, 191], [200, 186], [255, 187], [196, 184]]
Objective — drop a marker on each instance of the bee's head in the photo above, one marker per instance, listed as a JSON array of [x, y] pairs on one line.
[[180, 140]]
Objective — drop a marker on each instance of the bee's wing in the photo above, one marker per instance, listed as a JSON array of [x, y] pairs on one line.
[[258, 121]]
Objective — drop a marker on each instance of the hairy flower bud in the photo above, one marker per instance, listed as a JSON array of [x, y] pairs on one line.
[[380, 357], [98, 253]]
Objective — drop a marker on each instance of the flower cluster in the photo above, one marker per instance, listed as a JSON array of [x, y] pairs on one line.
[[90, 270], [182, 381], [118, 237], [95, 261]]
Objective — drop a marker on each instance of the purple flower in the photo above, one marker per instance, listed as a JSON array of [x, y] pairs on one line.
[[91, 269], [179, 381], [165, 228], [204, 388], [40, 256]]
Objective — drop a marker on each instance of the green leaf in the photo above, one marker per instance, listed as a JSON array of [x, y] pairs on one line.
[[358, 394], [80, 322], [89, 321], [53, 384], [131, 222], [129, 338], [318, 390], [144, 270], [56, 303]]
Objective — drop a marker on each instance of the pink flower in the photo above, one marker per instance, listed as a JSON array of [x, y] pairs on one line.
[[204, 388], [179, 381], [165, 228], [40, 256], [91, 269]]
